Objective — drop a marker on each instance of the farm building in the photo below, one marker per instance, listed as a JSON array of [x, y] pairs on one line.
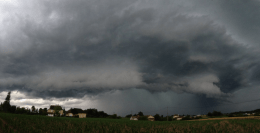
[[175, 116], [51, 110], [135, 117], [150, 118], [76, 112], [179, 118]]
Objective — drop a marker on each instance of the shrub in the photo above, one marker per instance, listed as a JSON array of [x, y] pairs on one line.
[[157, 117], [114, 116], [143, 118], [128, 116], [231, 115], [197, 117], [186, 118]]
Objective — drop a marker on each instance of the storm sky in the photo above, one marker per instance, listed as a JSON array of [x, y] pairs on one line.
[[193, 56]]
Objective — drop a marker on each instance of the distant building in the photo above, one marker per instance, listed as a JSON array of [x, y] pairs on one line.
[[176, 116], [51, 110], [135, 118], [150, 118], [179, 118], [76, 112]]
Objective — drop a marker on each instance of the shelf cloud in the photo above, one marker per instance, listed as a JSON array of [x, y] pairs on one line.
[[64, 49]]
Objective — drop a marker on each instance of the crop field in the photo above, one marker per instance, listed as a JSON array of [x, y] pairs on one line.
[[13, 123]]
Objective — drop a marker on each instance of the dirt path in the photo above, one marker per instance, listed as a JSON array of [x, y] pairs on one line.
[[228, 118]]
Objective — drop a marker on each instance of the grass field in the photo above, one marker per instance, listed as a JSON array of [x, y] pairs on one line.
[[12, 123]]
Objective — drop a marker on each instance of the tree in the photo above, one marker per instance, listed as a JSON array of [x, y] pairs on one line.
[[33, 109], [93, 112], [157, 117], [13, 109], [1, 106], [114, 116], [102, 114], [128, 116], [140, 113], [56, 110], [216, 113], [45, 111], [143, 118], [6, 105], [187, 117], [41, 111], [209, 114]]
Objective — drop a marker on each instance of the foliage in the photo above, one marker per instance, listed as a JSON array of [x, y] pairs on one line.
[[1, 106], [187, 117], [215, 113], [114, 116], [170, 118], [56, 110], [95, 113], [33, 109], [45, 111], [143, 118], [13, 109], [40, 111], [128, 116], [157, 117], [6, 105], [140, 113], [197, 117], [231, 115]]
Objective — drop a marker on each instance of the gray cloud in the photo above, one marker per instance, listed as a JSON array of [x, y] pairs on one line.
[[70, 49]]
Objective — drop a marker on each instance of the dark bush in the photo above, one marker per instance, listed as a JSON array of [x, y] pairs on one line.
[[186, 118], [231, 115], [157, 117], [143, 118], [114, 116], [128, 116]]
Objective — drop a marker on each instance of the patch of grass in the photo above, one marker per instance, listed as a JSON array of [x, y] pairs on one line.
[[12, 123]]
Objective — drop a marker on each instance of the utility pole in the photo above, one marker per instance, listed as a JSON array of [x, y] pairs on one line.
[[167, 113], [131, 113]]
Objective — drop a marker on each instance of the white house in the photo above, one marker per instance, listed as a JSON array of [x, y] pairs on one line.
[[134, 118]]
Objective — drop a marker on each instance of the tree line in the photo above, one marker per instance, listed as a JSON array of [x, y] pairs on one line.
[[8, 108]]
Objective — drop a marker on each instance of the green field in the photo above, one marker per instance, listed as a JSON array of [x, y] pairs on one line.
[[12, 123]]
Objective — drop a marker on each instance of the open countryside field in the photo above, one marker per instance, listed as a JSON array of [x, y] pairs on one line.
[[229, 118], [13, 123]]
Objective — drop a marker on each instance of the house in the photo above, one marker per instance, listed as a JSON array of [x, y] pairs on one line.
[[179, 118], [51, 110], [76, 112], [175, 116], [150, 118], [135, 118], [246, 114]]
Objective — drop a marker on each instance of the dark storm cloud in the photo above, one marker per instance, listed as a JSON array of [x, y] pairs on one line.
[[68, 49]]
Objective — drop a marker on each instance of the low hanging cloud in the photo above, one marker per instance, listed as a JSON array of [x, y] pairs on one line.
[[92, 47], [102, 76]]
